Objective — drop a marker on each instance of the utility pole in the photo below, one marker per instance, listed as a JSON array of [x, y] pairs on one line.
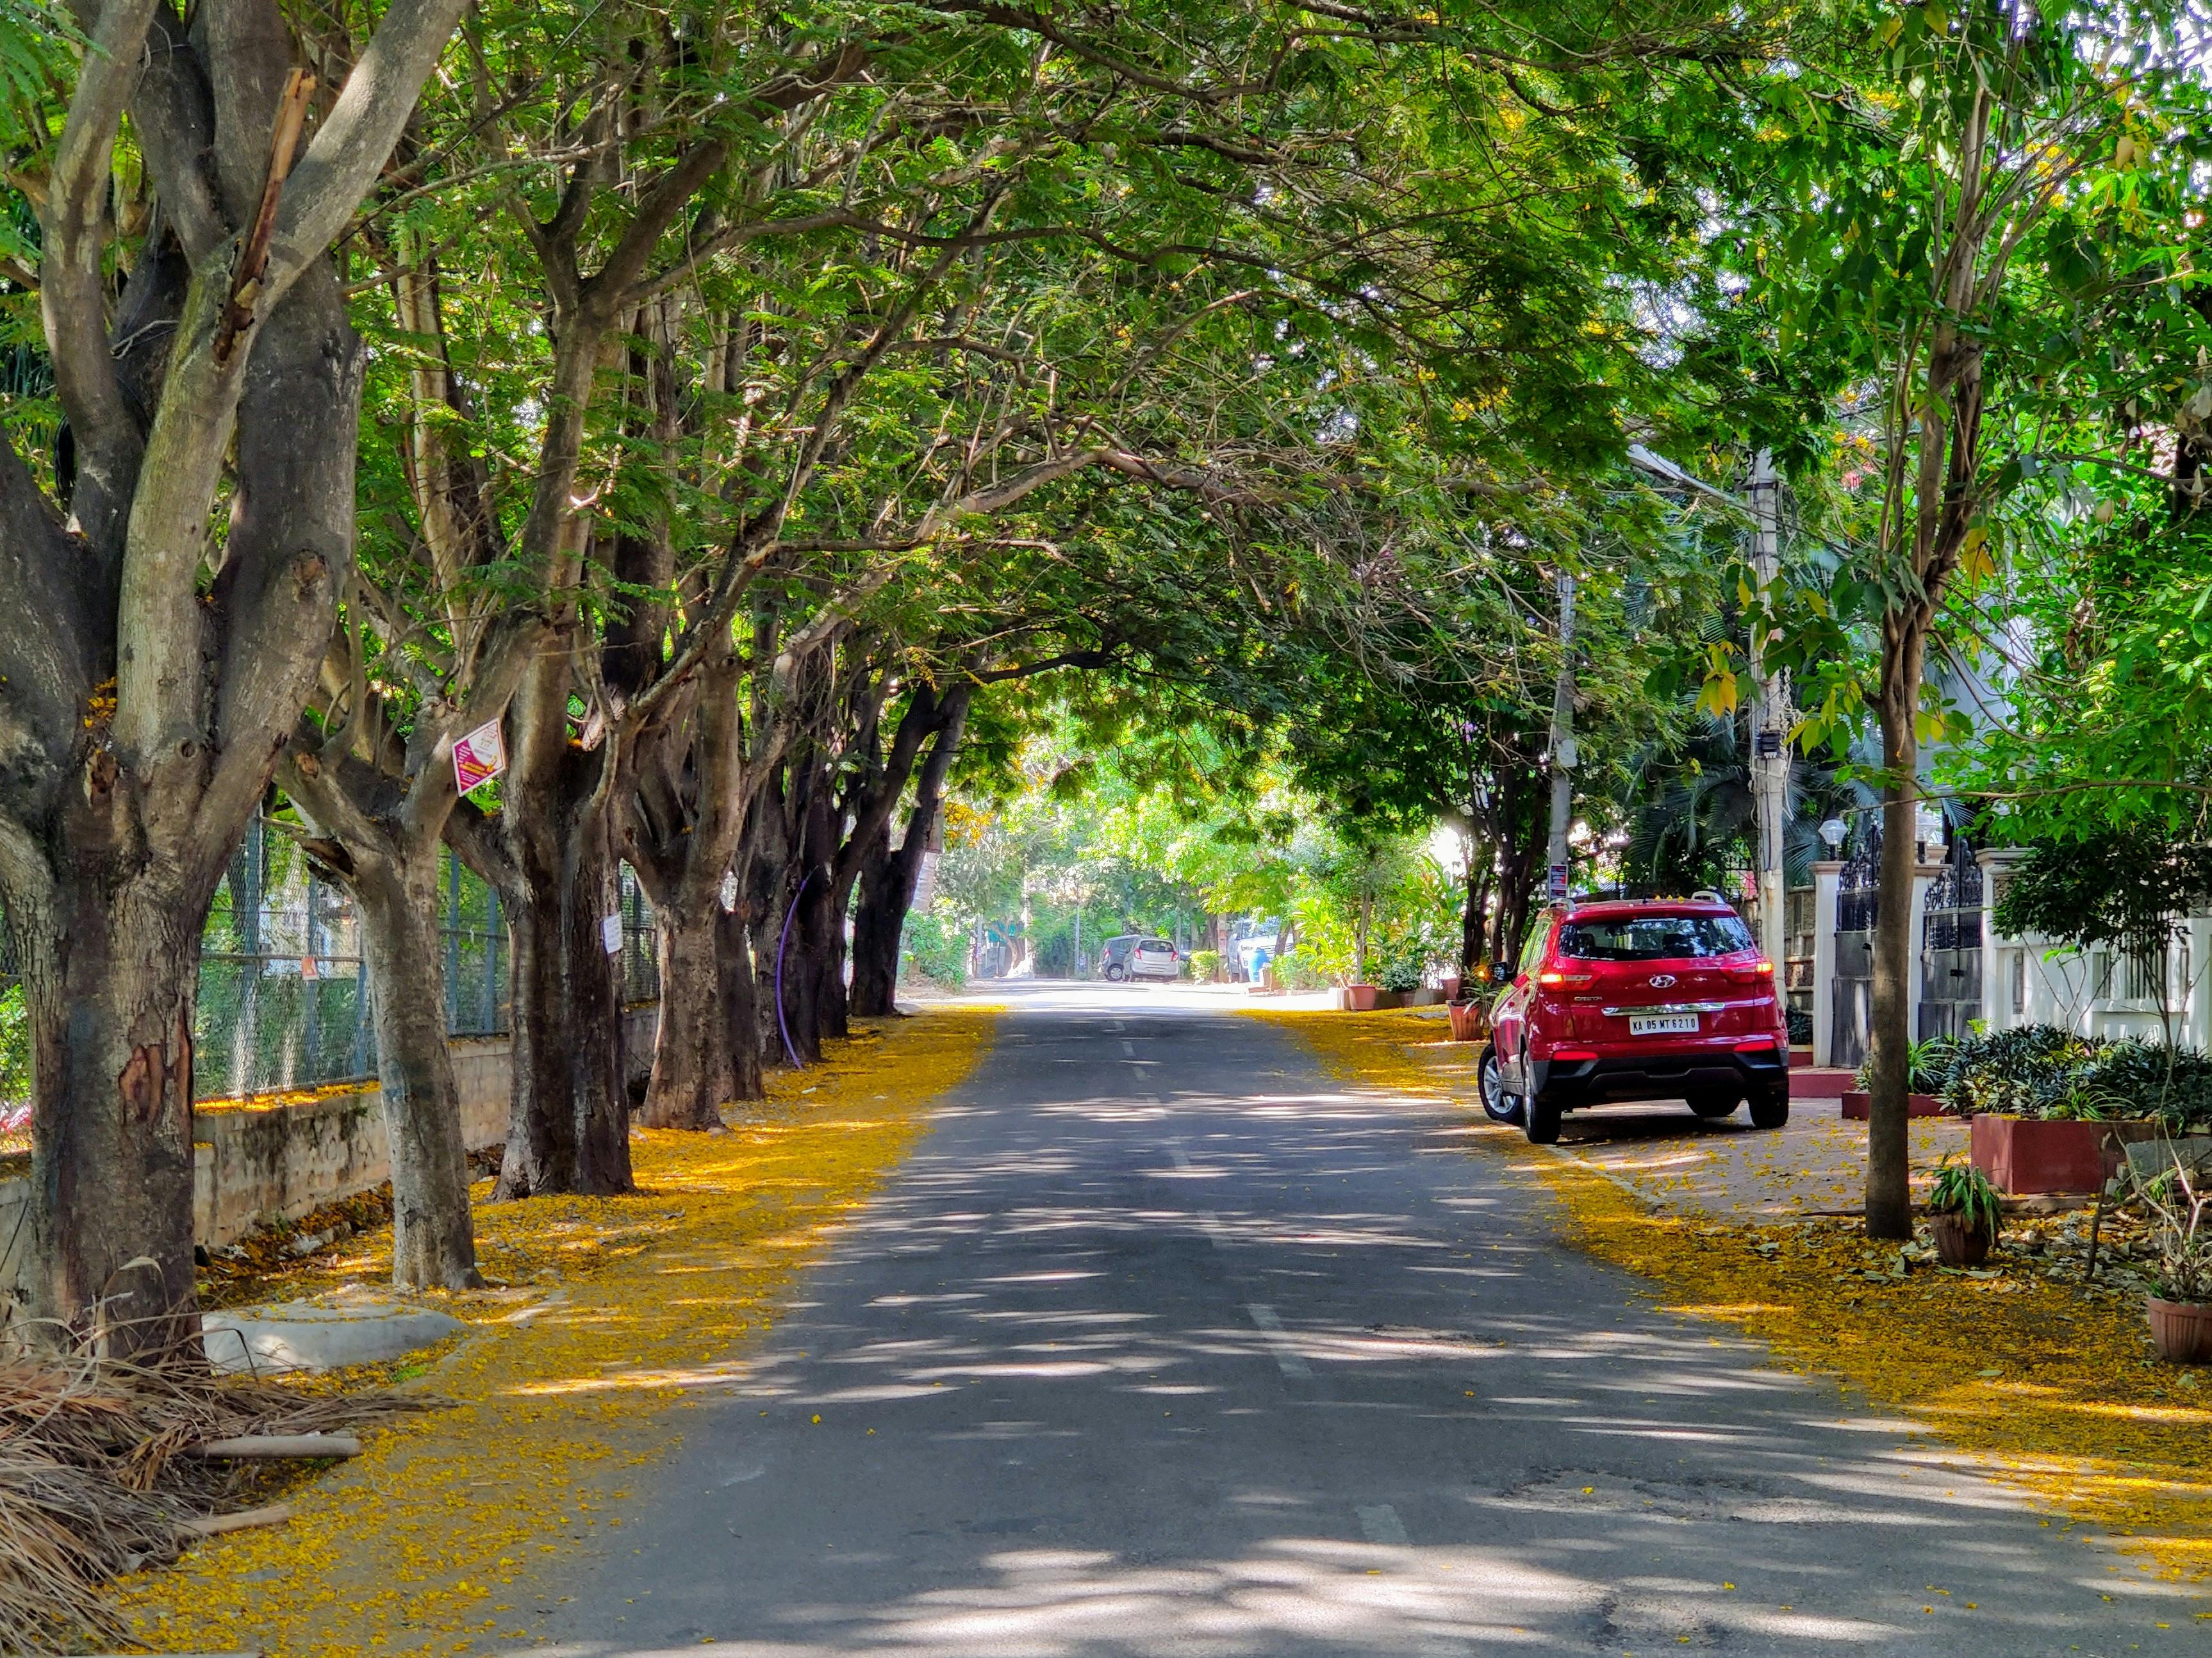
[[1770, 721], [1563, 743]]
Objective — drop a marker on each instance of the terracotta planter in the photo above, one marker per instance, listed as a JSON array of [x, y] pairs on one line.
[[1358, 999], [1470, 1021], [2181, 1330], [1450, 987], [2025, 1155], [1958, 1244], [1858, 1105]]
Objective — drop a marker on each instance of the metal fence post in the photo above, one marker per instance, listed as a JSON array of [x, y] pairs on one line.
[[311, 997], [453, 939]]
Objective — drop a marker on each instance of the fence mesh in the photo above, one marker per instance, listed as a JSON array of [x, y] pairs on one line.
[[285, 996]]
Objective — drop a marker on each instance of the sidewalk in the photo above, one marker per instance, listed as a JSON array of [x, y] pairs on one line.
[[2018, 1369], [604, 1318], [1682, 1165]]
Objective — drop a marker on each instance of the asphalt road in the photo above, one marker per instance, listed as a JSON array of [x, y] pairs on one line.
[[1165, 1343]]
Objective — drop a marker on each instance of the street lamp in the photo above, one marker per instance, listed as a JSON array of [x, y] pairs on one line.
[[1833, 832]]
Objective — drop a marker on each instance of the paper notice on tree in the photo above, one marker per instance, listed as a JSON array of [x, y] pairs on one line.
[[610, 934], [479, 757]]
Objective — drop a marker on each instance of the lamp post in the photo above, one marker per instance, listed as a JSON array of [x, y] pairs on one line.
[[1769, 718]]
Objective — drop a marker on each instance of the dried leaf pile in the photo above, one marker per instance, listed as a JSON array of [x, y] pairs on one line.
[[94, 1482], [2046, 1382], [605, 1316]]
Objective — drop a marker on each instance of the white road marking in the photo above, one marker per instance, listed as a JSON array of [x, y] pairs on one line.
[[1291, 1363], [1180, 1157], [1443, 1650], [1128, 1048], [1381, 1524]]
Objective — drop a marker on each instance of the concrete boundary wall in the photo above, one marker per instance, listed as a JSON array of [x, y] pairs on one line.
[[256, 1165]]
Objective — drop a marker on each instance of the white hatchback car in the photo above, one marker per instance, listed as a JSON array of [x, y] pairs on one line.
[[1144, 958]]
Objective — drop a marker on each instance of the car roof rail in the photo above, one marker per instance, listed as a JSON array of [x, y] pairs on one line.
[[1706, 896]]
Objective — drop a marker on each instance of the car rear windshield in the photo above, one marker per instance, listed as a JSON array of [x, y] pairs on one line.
[[1653, 937]]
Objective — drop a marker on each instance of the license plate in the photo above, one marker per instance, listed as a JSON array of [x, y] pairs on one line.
[[1662, 1024]]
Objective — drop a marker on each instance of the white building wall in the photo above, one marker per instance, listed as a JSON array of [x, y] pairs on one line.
[[2030, 981]]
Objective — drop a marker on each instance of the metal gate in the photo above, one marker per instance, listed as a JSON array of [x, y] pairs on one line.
[[1951, 946], [1857, 896]]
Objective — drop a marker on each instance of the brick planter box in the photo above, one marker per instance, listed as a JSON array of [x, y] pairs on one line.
[[2023, 1156], [1858, 1105]]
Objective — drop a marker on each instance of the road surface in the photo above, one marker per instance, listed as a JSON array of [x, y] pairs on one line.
[[1165, 1343]]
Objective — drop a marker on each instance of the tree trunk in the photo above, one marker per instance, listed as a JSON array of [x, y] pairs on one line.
[[1474, 915], [740, 994], [887, 887], [110, 972], [691, 1070], [433, 1243], [885, 894], [1888, 1191], [568, 1123]]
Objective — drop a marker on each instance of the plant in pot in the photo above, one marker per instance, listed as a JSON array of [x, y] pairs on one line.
[[2179, 1205], [1926, 1068], [1962, 1213]]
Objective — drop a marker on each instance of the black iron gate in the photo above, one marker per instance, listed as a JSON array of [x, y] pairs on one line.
[[1951, 946], [1857, 897]]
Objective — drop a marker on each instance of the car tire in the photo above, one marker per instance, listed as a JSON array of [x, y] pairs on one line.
[[1715, 1105], [1498, 1105], [1115, 973], [1540, 1118], [1771, 1112]]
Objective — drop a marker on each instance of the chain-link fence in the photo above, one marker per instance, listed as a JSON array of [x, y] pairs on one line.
[[14, 1056], [640, 944], [285, 998]]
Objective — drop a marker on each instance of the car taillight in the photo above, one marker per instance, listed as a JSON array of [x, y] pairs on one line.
[[1565, 980], [1757, 973]]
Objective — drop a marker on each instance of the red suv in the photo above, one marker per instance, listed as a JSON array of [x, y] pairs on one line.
[[1621, 1000]]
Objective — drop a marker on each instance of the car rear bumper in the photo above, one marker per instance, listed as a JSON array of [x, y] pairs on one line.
[[1661, 1076]]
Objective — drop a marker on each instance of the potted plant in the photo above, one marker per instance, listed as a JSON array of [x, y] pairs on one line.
[[2180, 1313], [1962, 1213], [1470, 1020], [1925, 1065]]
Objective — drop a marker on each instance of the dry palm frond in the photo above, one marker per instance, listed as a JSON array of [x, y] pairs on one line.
[[94, 1481]]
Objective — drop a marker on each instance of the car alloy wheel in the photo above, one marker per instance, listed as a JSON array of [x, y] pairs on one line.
[[1498, 1105], [1116, 973]]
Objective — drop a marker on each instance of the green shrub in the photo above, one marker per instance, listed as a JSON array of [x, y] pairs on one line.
[[1206, 965], [2040, 1071], [937, 950], [1401, 962]]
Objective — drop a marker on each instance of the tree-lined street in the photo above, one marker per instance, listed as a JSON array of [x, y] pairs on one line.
[[1166, 1341]]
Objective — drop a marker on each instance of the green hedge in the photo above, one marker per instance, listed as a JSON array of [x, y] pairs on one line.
[[2040, 1071], [937, 950]]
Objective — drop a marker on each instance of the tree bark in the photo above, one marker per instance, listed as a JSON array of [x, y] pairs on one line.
[[878, 921], [110, 971], [1888, 1194], [740, 1003], [887, 888], [433, 1240], [569, 1123], [692, 1074], [1474, 915]]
